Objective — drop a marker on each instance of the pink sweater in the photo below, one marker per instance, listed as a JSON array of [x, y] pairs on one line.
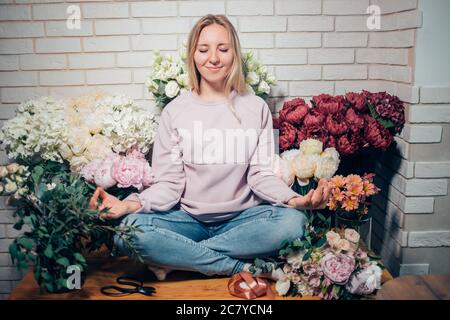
[[209, 163]]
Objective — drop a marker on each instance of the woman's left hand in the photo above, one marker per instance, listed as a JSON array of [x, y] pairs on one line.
[[315, 199]]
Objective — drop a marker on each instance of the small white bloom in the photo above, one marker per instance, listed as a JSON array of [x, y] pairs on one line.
[[172, 89], [282, 286], [264, 87], [51, 186], [252, 78], [2, 188]]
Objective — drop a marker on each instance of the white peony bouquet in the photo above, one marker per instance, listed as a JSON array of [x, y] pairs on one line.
[[307, 163]]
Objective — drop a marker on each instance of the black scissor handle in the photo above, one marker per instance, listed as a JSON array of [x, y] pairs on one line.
[[137, 287]]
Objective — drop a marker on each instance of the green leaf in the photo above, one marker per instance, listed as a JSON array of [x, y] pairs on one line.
[[79, 257], [63, 261], [37, 174], [27, 243], [384, 122], [48, 252], [49, 286]]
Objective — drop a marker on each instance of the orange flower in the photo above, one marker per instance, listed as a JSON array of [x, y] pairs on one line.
[[369, 188], [350, 203], [332, 204], [337, 181], [337, 194], [356, 189], [353, 179]]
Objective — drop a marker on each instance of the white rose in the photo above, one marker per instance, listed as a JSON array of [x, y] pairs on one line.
[[332, 238], [151, 85], [12, 168], [252, 78], [250, 89], [264, 87], [283, 169], [343, 245], [172, 89], [282, 286], [182, 80], [311, 146], [352, 235], [270, 79], [3, 171], [173, 72], [304, 165]]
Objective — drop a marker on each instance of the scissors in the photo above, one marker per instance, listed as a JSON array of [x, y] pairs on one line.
[[136, 287]]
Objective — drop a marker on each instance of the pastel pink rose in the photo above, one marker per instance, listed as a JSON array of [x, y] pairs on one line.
[[338, 267]]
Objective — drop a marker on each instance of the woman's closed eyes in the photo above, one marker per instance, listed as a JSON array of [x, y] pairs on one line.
[[222, 50]]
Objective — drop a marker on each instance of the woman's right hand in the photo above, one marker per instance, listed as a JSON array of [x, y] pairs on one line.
[[117, 208]]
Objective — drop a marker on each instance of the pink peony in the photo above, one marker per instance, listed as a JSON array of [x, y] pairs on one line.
[[338, 267], [88, 171], [103, 177], [129, 171]]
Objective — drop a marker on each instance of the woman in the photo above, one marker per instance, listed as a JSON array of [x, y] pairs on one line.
[[205, 211]]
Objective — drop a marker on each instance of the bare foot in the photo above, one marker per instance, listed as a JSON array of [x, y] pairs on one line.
[[159, 272]]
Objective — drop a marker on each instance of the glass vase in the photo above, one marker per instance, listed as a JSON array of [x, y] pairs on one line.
[[362, 226]]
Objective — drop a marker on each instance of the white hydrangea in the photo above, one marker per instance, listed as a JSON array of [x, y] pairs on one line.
[[37, 129], [127, 124]]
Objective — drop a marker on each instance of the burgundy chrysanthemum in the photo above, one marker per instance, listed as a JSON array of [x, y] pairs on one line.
[[355, 122]]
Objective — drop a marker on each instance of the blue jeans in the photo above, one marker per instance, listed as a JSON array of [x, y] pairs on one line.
[[175, 240]]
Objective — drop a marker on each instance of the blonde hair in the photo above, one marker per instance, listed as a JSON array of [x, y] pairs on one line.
[[235, 79]]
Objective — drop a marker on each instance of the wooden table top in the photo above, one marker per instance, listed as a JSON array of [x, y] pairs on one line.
[[416, 287], [179, 285]]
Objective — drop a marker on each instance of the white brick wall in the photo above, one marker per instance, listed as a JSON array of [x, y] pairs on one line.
[[312, 46]]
